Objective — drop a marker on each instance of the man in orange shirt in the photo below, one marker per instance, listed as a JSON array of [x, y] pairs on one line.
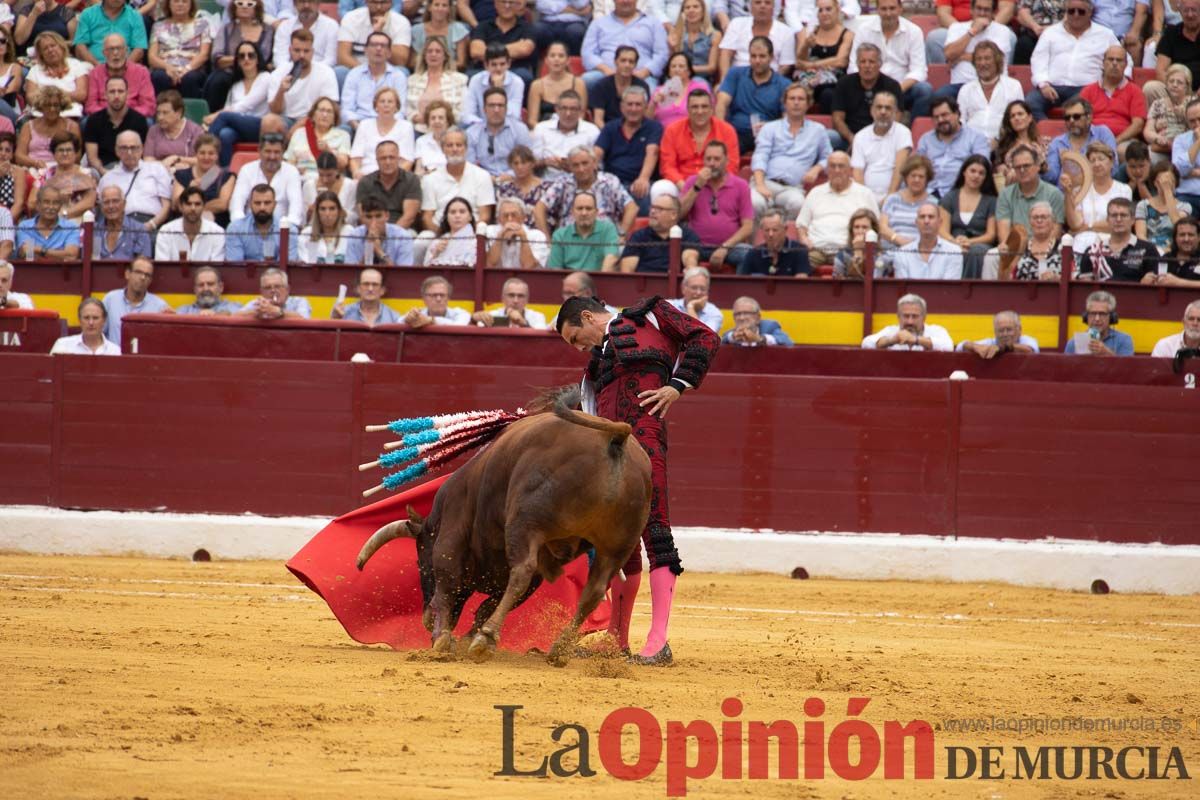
[[683, 143]]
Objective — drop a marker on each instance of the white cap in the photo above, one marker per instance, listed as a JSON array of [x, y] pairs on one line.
[[360, 358], [959, 375]]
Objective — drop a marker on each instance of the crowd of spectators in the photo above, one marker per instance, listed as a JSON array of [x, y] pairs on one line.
[[780, 136]]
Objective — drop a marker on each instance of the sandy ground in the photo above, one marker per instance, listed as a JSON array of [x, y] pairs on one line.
[[161, 679]]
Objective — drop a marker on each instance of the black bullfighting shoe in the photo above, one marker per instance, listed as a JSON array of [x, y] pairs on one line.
[[662, 658]]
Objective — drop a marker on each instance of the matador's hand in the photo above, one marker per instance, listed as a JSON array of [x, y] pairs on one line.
[[659, 400]]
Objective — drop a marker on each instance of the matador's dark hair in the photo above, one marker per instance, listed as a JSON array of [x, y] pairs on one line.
[[573, 309]]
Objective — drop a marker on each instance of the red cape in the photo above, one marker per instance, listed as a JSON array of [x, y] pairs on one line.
[[382, 604]]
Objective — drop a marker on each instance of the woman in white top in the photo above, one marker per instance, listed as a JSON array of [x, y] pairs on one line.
[[386, 127], [325, 240], [1087, 214], [55, 67], [455, 242], [319, 129], [91, 342], [429, 155], [433, 79], [247, 103]]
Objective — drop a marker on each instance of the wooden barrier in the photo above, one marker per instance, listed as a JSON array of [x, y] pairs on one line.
[[29, 331], [990, 458], [324, 340]]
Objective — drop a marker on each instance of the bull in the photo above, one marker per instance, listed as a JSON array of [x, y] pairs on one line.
[[548, 489]]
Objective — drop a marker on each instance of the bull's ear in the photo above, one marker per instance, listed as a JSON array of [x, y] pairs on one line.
[[414, 517]]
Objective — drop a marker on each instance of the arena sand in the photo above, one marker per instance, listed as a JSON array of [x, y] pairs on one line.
[[128, 678]]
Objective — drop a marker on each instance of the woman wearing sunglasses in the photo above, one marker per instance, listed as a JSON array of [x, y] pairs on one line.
[[247, 25], [247, 105]]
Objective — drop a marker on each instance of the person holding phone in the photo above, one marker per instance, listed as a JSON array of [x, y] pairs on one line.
[[515, 312], [293, 93], [751, 330], [275, 301]]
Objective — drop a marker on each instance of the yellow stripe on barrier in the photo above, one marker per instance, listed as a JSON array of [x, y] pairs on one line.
[[804, 327]]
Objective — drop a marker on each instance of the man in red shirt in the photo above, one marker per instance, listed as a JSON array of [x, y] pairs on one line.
[[683, 143], [140, 96], [1117, 103]]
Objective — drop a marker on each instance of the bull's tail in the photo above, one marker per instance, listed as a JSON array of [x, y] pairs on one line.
[[564, 408]]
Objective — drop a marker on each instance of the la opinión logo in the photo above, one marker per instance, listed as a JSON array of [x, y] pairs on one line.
[[853, 749], [695, 750]]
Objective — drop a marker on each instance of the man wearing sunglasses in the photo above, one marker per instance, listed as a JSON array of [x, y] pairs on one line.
[[1080, 133], [490, 140], [718, 208], [1069, 55]]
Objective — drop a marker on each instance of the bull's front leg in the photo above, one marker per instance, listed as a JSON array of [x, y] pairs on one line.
[[443, 616], [604, 567], [489, 604], [522, 553]]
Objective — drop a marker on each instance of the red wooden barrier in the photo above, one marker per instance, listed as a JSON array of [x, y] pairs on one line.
[[170, 334], [27, 396], [29, 331], [992, 458], [1078, 462], [194, 435]]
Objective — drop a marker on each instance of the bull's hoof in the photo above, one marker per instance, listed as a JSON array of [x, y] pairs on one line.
[[483, 646], [444, 643], [561, 652], [662, 658], [602, 645]]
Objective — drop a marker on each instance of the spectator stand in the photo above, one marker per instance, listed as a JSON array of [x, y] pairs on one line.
[[813, 311]]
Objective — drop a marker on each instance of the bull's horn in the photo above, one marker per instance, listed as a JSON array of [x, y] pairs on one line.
[[365, 467], [393, 530], [376, 428]]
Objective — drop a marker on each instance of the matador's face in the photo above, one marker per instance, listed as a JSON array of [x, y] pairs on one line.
[[588, 334]]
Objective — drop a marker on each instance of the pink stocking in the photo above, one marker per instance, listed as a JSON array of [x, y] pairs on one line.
[[662, 593], [624, 592]]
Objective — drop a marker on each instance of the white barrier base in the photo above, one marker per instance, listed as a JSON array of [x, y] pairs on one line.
[[1056, 564]]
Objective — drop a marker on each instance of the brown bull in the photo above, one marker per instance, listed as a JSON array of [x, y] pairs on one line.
[[548, 489]]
